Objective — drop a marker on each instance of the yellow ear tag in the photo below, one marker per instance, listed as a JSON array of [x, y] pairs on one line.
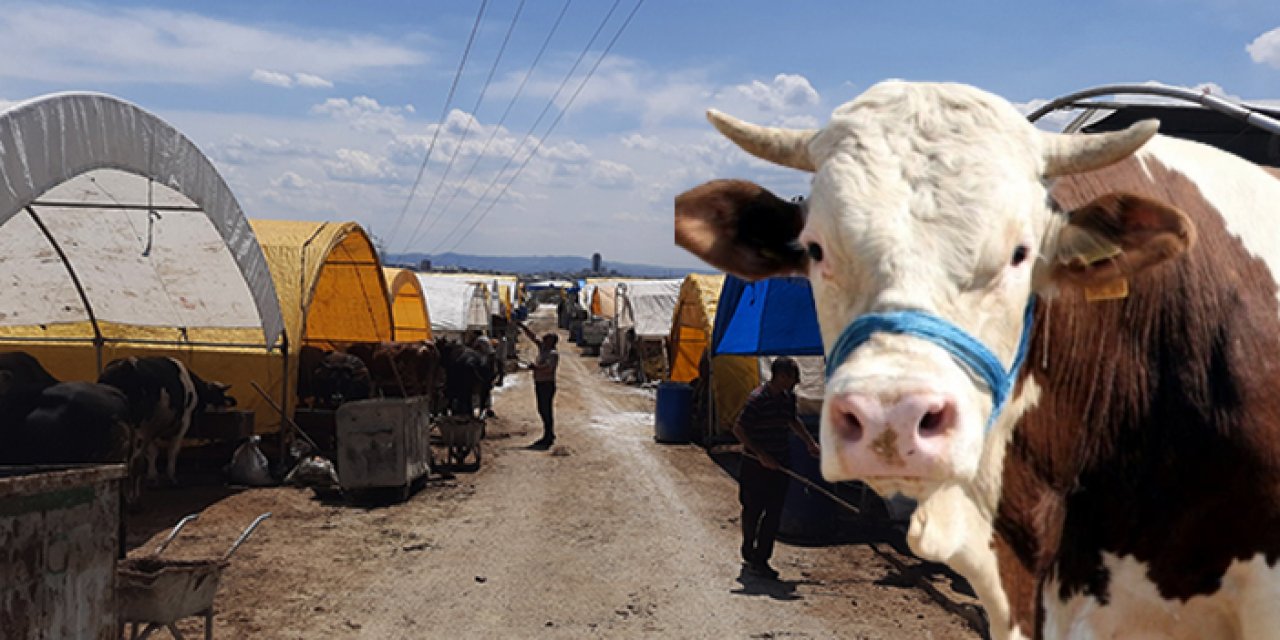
[[1117, 289]]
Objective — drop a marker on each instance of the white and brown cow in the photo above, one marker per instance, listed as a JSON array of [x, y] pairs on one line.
[[1125, 479]]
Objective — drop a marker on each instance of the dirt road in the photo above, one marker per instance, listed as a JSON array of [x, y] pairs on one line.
[[607, 535]]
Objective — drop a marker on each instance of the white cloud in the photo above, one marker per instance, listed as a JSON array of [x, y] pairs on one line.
[[359, 166], [569, 152], [364, 113], [291, 181], [284, 80], [274, 78], [312, 81], [607, 174], [787, 91], [640, 141], [1265, 49], [70, 43], [242, 149]]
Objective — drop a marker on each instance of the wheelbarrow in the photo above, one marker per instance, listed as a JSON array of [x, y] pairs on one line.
[[461, 436], [157, 592]]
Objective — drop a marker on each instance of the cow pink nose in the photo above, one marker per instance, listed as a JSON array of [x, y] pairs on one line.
[[893, 434]]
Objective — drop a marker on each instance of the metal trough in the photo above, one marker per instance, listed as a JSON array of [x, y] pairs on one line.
[[59, 540]]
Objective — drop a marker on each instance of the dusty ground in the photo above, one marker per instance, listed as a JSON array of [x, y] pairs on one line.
[[609, 535]]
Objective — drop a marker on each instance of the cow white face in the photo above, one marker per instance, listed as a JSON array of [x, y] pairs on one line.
[[928, 199]]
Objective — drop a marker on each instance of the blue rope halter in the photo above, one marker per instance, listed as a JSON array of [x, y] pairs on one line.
[[963, 347]]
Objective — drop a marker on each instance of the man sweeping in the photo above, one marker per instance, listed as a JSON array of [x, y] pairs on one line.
[[762, 427]]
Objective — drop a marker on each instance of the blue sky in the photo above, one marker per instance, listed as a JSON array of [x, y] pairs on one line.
[[325, 110]]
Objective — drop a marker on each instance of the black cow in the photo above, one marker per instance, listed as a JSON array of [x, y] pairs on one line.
[[163, 396], [22, 380], [326, 379], [468, 374], [43, 421]]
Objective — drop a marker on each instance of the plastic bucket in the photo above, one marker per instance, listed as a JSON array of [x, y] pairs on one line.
[[672, 413]]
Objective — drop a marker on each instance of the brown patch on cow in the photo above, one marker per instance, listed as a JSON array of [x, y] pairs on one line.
[[885, 446], [1157, 434], [741, 227]]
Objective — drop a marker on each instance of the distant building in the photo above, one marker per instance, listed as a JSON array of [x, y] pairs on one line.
[[424, 265], [595, 263]]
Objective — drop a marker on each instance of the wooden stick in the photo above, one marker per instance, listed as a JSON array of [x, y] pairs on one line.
[[813, 485], [289, 421]]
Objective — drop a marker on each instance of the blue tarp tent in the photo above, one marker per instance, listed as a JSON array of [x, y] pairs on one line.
[[773, 317]]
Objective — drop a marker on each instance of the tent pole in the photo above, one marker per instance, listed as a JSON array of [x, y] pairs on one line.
[[286, 435], [75, 280]]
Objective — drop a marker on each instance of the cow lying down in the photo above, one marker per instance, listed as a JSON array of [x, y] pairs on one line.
[[1067, 347]]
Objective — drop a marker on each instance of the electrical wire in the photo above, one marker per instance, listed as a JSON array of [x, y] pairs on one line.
[[529, 134], [501, 121], [552, 127], [445, 112], [466, 130]]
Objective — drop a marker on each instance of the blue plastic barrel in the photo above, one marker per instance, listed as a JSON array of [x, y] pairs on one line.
[[807, 515], [672, 413]]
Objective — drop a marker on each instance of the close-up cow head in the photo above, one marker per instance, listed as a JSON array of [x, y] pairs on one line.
[[927, 236]]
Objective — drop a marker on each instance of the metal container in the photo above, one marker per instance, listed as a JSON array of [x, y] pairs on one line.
[[59, 539], [383, 443]]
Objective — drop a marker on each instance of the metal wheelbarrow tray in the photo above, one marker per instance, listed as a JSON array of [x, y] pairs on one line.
[[461, 435], [158, 591]]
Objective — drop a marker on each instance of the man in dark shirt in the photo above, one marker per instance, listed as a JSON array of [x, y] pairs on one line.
[[762, 427]]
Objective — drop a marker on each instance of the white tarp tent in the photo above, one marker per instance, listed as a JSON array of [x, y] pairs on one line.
[[647, 306], [118, 237], [455, 305], [90, 182]]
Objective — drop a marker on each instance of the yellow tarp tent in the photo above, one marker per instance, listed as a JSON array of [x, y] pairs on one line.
[[330, 285], [732, 377], [118, 238], [408, 305]]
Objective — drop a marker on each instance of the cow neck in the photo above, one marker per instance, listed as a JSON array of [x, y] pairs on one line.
[[962, 346], [1154, 409]]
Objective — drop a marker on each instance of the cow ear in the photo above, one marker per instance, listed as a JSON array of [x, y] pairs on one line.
[[741, 228], [1117, 236]]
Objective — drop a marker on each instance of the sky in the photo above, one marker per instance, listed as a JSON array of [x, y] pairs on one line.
[[576, 138]]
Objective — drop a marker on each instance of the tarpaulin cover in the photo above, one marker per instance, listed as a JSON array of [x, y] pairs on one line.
[[499, 287], [456, 305], [101, 194], [329, 281], [772, 317], [408, 305], [51, 140], [647, 306], [732, 377]]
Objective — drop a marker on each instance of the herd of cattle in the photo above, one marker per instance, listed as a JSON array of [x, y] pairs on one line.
[[140, 405], [1066, 346]]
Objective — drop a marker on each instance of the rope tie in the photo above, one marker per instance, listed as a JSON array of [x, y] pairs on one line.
[[966, 349]]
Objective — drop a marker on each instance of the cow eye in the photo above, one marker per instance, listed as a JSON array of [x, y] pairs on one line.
[[1019, 255], [815, 251]]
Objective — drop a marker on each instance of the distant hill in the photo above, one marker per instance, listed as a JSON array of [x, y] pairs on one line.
[[537, 265]]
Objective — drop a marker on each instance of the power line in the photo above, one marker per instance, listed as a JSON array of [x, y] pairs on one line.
[[447, 103], [426, 213], [501, 121], [529, 134], [622, 28]]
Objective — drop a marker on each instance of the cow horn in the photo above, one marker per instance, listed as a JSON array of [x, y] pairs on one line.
[[1065, 154], [787, 147]]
